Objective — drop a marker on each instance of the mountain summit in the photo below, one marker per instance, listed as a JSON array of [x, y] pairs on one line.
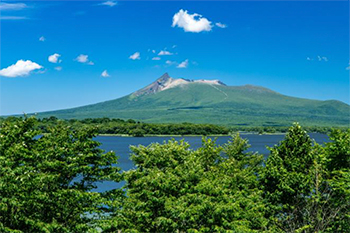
[[166, 82], [170, 100]]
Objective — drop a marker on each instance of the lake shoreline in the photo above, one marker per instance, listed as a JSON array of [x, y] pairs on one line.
[[188, 135]]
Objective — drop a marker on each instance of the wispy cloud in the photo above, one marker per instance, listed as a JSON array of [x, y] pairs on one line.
[[12, 17], [105, 74], [221, 25], [109, 3], [135, 56], [318, 58], [156, 58], [54, 58], [322, 58], [21, 68], [12, 6], [191, 22], [42, 38], [58, 68], [348, 67], [168, 62], [183, 64], [82, 58], [164, 52]]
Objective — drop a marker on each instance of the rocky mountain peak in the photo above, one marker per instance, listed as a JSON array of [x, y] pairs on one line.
[[166, 82]]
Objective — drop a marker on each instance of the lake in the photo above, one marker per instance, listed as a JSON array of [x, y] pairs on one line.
[[120, 145]]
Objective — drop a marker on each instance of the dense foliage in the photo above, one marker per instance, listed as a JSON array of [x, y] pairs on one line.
[[47, 181], [138, 129]]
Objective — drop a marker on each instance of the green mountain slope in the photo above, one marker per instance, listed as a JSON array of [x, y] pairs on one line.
[[205, 101]]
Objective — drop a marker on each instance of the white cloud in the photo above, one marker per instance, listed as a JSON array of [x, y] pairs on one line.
[[105, 74], [153, 51], [109, 3], [183, 64], [58, 68], [21, 68], [12, 6], [221, 25], [42, 38], [164, 52], [12, 17], [348, 68], [322, 58], [135, 56], [191, 22], [156, 58], [54, 58], [168, 62], [82, 58], [309, 59]]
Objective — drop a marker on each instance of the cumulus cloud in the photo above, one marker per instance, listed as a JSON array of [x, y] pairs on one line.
[[221, 25], [191, 22], [54, 58], [109, 3], [105, 74], [58, 68], [156, 58], [82, 58], [42, 38], [21, 68], [135, 56], [164, 52], [183, 64], [12, 6]]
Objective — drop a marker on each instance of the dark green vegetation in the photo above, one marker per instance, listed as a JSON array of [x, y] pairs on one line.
[[47, 181], [215, 104], [139, 129]]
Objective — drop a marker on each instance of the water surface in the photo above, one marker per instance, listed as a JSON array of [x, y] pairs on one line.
[[121, 146]]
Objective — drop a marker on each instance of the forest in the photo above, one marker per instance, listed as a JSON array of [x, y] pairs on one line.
[[48, 177], [130, 127]]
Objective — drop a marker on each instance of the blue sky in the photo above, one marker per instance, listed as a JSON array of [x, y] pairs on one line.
[[296, 48]]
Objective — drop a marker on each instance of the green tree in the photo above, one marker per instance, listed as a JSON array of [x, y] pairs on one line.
[[47, 180], [307, 186], [174, 188]]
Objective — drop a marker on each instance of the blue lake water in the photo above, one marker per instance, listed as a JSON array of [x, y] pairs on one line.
[[121, 146]]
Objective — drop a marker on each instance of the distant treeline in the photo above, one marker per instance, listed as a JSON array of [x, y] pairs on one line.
[[138, 129]]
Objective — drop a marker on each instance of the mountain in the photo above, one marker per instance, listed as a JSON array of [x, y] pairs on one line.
[[211, 101]]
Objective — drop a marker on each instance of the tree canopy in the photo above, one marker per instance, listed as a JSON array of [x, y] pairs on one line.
[[48, 179]]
